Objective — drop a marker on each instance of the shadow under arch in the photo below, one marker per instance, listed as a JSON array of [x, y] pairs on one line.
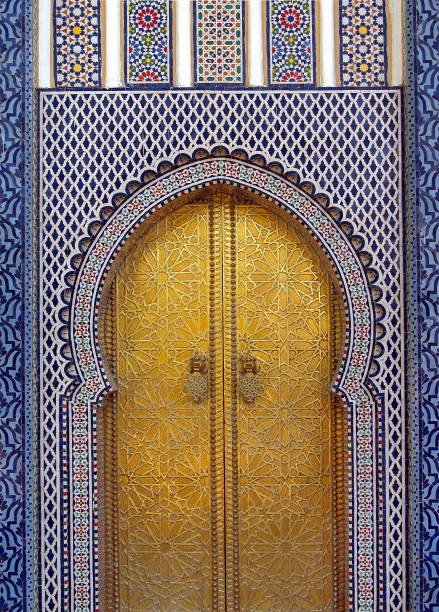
[[350, 382]]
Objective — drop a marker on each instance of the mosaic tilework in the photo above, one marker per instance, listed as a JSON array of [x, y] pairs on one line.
[[77, 43], [148, 42], [428, 160], [362, 31], [413, 324], [219, 46], [423, 305], [301, 131], [16, 277], [291, 42]]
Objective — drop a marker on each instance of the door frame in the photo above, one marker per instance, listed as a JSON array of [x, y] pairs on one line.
[[351, 383]]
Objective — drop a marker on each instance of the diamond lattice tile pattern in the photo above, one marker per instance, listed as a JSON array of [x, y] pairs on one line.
[[346, 143]]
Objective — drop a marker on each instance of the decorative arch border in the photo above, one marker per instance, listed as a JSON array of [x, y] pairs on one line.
[[92, 382]]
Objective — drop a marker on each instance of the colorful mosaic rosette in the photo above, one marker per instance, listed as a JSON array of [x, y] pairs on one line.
[[291, 46], [147, 48]]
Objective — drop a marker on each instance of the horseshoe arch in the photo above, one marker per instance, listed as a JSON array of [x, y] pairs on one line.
[[351, 382]]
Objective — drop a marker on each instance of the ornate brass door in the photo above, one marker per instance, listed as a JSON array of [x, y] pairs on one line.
[[224, 503]]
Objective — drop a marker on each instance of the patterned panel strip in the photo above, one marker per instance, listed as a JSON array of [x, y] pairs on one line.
[[231, 508], [291, 47], [16, 278], [219, 46], [77, 43], [423, 307], [362, 32], [148, 42]]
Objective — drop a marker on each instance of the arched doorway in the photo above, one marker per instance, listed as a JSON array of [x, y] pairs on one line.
[[223, 447]]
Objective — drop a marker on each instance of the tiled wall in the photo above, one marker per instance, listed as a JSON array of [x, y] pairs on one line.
[[22, 579], [344, 142]]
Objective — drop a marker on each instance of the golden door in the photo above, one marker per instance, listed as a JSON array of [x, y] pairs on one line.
[[224, 500]]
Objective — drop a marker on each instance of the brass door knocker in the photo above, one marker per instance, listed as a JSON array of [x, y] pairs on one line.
[[250, 385], [196, 384]]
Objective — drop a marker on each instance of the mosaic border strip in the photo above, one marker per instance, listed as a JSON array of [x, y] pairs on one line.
[[237, 46], [363, 42], [77, 43], [291, 43], [148, 43], [16, 280], [351, 382], [412, 307], [423, 303]]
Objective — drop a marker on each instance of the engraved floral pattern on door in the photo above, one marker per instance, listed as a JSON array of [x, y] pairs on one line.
[[225, 503], [283, 310], [164, 449]]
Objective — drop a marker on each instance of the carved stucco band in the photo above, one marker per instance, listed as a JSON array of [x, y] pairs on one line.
[[350, 384]]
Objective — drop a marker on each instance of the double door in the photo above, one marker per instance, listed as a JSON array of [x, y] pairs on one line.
[[223, 419]]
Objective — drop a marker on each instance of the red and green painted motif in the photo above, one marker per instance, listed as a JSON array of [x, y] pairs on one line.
[[291, 48], [147, 42], [219, 31]]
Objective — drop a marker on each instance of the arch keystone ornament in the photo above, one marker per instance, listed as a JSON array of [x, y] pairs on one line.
[[93, 382]]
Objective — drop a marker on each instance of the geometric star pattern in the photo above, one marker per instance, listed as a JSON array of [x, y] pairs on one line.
[[77, 43], [291, 47], [163, 439], [363, 55], [147, 44], [219, 49], [285, 470], [285, 479]]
